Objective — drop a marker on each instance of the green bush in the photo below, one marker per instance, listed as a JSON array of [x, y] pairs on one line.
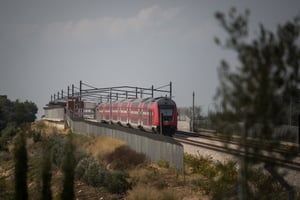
[[201, 165], [6, 135], [224, 183], [163, 163], [116, 182], [93, 173], [57, 150], [264, 186], [81, 167], [90, 171], [219, 179]]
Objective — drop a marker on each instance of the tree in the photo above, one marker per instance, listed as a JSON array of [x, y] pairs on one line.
[[188, 111], [251, 95], [5, 111], [12, 115], [15, 113], [68, 170], [21, 167], [46, 172], [24, 112]]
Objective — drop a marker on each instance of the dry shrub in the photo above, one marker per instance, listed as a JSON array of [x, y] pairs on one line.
[[100, 147], [150, 193], [139, 175], [124, 158]]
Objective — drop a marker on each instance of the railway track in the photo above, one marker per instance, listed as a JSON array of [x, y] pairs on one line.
[[213, 143], [282, 148]]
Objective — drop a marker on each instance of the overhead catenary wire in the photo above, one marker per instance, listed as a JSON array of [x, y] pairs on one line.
[[96, 94]]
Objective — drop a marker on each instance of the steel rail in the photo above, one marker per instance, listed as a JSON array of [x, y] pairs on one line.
[[240, 152], [282, 149]]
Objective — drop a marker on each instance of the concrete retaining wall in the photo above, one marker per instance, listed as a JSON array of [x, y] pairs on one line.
[[56, 124], [155, 147], [54, 113]]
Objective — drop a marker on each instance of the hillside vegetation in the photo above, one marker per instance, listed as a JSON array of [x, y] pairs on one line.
[[105, 168]]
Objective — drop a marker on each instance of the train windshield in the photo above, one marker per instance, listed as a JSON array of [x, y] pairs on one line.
[[167, 114]]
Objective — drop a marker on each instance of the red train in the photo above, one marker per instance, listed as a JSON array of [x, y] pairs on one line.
[[149, 114]]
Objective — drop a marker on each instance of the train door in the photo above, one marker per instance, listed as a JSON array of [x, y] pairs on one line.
[[150, 116]]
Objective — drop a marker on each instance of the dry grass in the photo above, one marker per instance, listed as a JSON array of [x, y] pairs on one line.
[[98, 147], [153, 182], [147, 192], [149, 181]]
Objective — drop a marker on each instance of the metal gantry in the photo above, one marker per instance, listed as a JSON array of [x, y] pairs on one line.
[[86, 92], [81, 101]]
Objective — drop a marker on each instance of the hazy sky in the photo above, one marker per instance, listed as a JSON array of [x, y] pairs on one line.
[[47, 45]]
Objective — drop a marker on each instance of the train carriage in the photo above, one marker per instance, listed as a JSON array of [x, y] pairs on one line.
[[156, 114]]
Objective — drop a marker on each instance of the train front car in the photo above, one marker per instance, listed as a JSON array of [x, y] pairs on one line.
[[167, 116]]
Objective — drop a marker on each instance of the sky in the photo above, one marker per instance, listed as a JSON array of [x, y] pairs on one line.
[[45, 46]]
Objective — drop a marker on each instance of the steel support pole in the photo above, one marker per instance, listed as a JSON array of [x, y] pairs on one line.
[[110, 106], [193, 112], [80, 90], [72, 90], [152, 88], [136, 92], [170, 89]]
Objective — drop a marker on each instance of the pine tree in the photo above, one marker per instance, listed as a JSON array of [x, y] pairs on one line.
[[46, 173], [251, 94], [21, 167], [68, 170]]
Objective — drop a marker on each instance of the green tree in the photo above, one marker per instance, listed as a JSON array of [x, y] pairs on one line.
[[68, 170], [251, 94], [46, 172], [24, 112], [6, 111], [21, 167], [15, 113]]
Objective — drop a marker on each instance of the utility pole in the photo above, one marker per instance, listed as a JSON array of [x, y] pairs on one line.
[[152, 88], [193, 113], [170, 89]]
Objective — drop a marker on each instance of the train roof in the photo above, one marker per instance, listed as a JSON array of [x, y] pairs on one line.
[[160, 100]]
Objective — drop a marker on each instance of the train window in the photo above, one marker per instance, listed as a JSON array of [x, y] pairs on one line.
[[167, 112]]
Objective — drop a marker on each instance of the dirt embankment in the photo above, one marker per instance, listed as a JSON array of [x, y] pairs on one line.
[[148, 180]]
